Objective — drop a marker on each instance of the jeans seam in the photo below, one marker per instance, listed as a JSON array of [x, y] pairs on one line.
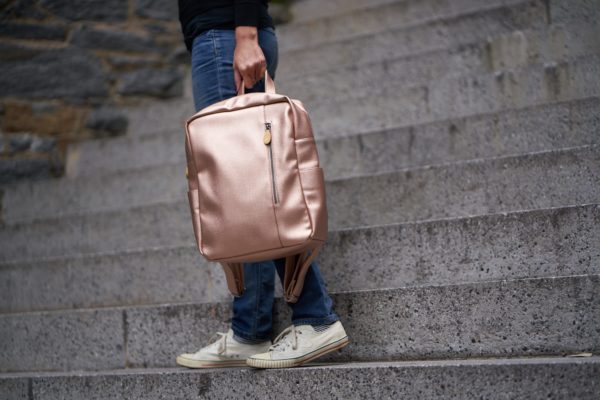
[[257, 302], [218, 62]]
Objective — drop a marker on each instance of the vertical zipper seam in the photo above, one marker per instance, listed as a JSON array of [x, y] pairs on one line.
[[271, 161]]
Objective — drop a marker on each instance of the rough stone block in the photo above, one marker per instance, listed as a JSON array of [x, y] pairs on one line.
[[157, 9], [51, 75], [111, 39], [33, 31], [151, 82], [38, 168], [107, 120], [16, 52], [42, 118], [22, 9], [93, 10]]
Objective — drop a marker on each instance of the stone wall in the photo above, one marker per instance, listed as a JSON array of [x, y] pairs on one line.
[[67, 67]]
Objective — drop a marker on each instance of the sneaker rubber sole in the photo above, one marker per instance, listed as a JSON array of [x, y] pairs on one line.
[[187, 362], [295, 362]]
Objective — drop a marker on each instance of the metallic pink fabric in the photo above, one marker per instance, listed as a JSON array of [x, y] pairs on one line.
[[251, 200]]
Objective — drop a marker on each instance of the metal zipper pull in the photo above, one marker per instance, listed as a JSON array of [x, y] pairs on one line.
[[267, 134]]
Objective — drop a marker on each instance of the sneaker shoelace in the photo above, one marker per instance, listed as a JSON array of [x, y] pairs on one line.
[[289, 336], [220, 339]]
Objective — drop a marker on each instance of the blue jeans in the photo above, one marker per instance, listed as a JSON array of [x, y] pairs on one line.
[[213, 81]]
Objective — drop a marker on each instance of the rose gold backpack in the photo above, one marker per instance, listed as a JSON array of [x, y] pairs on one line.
[[256, 190]]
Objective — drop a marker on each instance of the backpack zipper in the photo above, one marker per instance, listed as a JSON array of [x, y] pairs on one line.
[[267, 137]]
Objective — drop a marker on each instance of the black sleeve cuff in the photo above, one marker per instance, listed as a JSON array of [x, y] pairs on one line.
[[247, 13]]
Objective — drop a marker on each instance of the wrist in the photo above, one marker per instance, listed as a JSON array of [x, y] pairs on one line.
[[246, 33]]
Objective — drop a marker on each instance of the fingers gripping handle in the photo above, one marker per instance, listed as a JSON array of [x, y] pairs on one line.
[[269, 85]]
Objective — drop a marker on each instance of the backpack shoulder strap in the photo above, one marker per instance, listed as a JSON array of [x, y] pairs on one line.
[[296, 267], [234, 274]]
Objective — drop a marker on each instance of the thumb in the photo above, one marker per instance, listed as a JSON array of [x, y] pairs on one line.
[[238, 80]]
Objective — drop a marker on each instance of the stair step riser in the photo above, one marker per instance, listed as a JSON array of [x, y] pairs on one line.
[[457, 97], [419, 323], [312, 11], [525, 183], [505, 133], [515, 50], [538, 379], [308, 11], [535, 181], [396, 105], [377, 19], [555, 126], [564, 242], [435, 35]]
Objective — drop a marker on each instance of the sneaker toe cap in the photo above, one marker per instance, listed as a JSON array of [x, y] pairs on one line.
[[262, 356]]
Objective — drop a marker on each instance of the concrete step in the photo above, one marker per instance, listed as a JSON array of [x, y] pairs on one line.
[[454, 97], [375, 19], [438, 34], [533, 181], [510, 132], [562, 241], [165, 182], [442, 34], [307, 10], [518, 49], [377, 107], [312, 11], [514, 378], [529, 317]]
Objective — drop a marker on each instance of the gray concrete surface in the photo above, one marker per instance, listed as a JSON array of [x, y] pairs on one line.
[[556, 242], [532, 379], [541, 180], [500, 318]]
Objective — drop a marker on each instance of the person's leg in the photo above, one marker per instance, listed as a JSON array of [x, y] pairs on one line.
[[315, 331], [314, 306], [213, 81]]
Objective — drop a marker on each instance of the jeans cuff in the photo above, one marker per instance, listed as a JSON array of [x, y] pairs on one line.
[[249, 336], [330, 319]]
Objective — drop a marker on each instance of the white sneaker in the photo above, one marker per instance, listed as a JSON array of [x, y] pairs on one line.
[[297, 345], [225, 352]]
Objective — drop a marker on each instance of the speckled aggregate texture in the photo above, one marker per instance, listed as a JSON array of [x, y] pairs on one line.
[[460, 146], [554, 242], [486, 379], [549, 179], [474, 188], [510, 318]]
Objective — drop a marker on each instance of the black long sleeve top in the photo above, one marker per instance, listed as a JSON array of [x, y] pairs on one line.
[[197, 16]]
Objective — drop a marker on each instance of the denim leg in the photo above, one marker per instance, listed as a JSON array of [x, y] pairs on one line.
[[213, 81], [314, 306], [253, 310]]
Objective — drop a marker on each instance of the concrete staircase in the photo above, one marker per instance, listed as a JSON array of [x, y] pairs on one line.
[[461, 147]]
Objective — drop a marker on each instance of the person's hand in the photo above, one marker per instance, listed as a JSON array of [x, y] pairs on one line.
[[249, 63]]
